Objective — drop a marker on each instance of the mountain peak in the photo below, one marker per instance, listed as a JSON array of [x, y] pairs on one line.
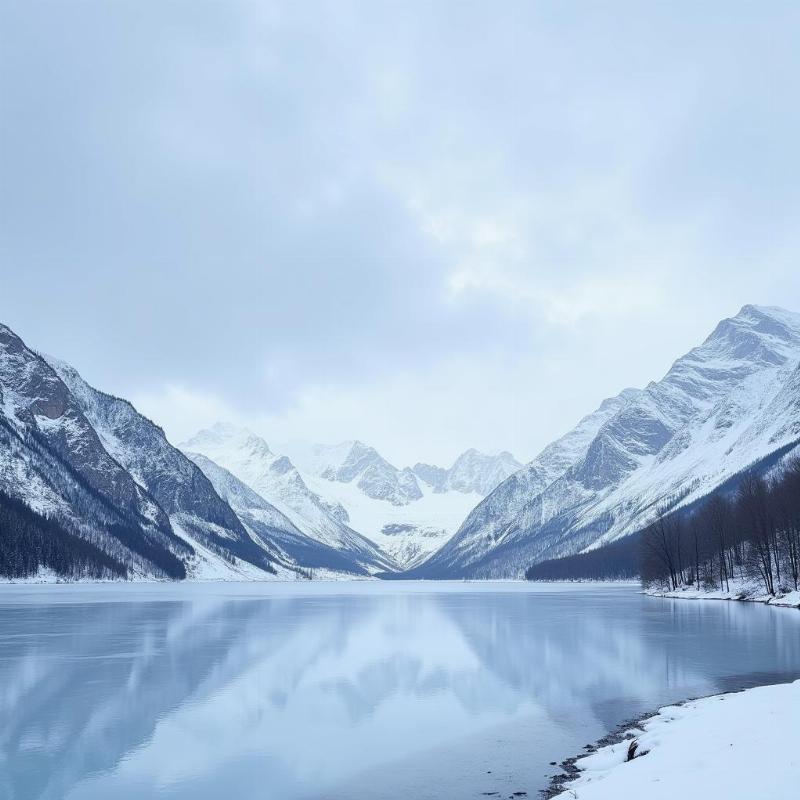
[[766, 321], [754, 312], [757, 334], [359, 463], [221, 433], [359, 450]]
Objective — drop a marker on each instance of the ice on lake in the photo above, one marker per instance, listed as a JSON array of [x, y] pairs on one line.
[[341, 691]]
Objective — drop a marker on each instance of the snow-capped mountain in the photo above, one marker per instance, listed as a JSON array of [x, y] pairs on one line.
[[109, 480], [275, 479], [356, 462], [724, 405], [196, 511], [52, 460], [472, 471], [286, 544], [409, 513]]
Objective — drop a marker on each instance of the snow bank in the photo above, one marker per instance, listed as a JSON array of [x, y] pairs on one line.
[[738, 591], [737, 746]]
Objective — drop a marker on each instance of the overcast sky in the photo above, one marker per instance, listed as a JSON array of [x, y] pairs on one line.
[[428, 225]]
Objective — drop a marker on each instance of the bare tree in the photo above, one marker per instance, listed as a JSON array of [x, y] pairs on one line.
[[758, 534], [716, 517], [786, 500], [662, 550], [755, 514]]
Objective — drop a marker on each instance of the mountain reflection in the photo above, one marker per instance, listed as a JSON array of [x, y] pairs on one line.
[[288, 695]]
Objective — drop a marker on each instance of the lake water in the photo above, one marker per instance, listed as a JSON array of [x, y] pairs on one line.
[[346, 691]]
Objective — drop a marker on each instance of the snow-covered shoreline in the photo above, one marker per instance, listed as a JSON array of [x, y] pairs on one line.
[[738, 591], [738, 746]]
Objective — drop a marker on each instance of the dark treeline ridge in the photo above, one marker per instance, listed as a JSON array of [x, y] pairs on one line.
[[29, 541], [747, 530], [750, 535], [141, 542], [616, 561]]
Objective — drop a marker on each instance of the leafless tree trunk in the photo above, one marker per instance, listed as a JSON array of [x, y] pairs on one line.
[[753, 499]]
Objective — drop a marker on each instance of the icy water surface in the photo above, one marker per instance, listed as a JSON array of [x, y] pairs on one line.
[[347, 691]]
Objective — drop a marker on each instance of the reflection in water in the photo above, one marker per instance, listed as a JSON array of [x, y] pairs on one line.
[[381, 691]]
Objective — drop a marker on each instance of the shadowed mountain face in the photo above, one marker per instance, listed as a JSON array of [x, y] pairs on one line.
[[177, 484], [724, 405], [311, 691], [40, 409], [53, 460]]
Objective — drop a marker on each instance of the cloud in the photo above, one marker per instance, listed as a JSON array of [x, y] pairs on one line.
[[182, 411], [430, 225]]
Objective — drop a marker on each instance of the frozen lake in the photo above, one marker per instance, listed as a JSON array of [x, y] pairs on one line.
[[344, 691]]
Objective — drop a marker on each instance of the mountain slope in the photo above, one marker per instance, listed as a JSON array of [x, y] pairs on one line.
[[277, 481], [407, 533], [722, 406], [31, 543], [52, 459], [286, 544], [177, 484]]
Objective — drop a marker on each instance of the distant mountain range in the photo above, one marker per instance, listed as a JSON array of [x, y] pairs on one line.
[[91, 488], [338, 492]]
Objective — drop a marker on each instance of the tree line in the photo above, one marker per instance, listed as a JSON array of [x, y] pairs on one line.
[[30, 541], [750, 536], [619, 560]]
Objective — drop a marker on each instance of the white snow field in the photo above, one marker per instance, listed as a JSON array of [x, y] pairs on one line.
[[735, 746], [408, 533]]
